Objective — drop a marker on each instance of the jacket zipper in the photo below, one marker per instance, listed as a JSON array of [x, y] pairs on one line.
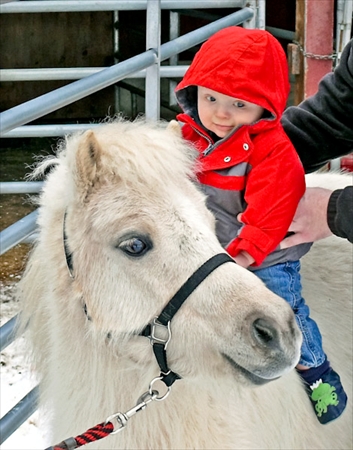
[[211, 147]]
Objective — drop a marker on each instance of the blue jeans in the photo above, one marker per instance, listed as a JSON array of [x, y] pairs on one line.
[[284, 280]]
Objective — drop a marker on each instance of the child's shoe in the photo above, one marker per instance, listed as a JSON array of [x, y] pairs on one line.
[[326, 394]]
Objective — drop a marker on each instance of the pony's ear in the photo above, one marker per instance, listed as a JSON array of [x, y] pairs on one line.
[[88, 157], [174, 127]]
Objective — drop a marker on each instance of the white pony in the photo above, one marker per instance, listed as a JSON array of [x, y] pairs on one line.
[[122, 227]]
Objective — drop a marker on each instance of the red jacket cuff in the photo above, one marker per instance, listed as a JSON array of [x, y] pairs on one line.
[[246, 240]]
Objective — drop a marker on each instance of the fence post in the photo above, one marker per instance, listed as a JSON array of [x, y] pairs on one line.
[[153, 41]]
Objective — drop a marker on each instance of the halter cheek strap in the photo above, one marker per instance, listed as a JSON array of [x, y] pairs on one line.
[[158, 331]]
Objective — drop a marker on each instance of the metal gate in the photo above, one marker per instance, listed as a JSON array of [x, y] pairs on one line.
[[145, 65]]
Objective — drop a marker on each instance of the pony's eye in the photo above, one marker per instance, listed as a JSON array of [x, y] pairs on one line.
[[134, 247]]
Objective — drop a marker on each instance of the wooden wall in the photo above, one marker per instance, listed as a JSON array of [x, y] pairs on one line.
[[50, 40]]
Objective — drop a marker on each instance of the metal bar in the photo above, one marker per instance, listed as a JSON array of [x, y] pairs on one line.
[[261, 14], [20, 187], [116, 49], [344, 10], [15, 233], [8, 332], [111, 5], [252, 21], [153, 41], [72, 92], [47, 130], [174, 31], [65, 95], [18, 414], [76, 73], [280, 33]]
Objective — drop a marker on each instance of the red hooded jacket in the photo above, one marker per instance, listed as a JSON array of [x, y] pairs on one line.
[[255, 169]]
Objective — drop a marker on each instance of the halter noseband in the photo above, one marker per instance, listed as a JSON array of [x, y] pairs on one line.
[[158, 331], [162, 322]]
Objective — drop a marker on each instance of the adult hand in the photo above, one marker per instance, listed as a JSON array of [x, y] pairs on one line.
[[310, 220]]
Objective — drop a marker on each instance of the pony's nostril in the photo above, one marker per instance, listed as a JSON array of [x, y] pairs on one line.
[[265, 333]]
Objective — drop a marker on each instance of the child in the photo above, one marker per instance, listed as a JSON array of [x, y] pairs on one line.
[[233, 96]]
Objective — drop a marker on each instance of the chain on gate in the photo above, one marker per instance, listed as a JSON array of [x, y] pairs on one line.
[[332, 56]]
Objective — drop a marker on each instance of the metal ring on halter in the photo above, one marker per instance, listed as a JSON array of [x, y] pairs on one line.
[[158, 399]]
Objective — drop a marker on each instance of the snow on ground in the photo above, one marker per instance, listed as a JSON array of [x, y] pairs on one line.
[[16, 381]]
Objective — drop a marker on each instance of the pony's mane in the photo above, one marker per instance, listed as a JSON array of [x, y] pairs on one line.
[[148, 150]]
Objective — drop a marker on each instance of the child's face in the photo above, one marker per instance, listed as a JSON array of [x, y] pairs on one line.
[[220, 113]]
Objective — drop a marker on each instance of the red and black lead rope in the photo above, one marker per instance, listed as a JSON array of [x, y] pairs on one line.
[[100, 431]]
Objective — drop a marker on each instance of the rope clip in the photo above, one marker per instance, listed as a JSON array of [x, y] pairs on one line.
[[122, 418]]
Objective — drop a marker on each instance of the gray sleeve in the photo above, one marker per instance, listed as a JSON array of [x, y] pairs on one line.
[[340, 213]]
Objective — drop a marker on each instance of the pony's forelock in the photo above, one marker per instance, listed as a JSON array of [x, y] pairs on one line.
[[154, 146]]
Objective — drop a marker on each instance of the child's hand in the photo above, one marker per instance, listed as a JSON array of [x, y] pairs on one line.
[[244, 259]]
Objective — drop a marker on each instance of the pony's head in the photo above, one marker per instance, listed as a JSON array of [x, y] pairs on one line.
[[136, 226]]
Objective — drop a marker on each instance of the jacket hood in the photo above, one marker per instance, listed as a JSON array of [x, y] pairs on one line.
[[248, 64]]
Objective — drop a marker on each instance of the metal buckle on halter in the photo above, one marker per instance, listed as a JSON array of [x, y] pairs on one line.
[[160, 334]]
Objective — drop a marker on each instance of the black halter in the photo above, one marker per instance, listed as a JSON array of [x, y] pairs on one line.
[[162, 322], [158, 331]]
